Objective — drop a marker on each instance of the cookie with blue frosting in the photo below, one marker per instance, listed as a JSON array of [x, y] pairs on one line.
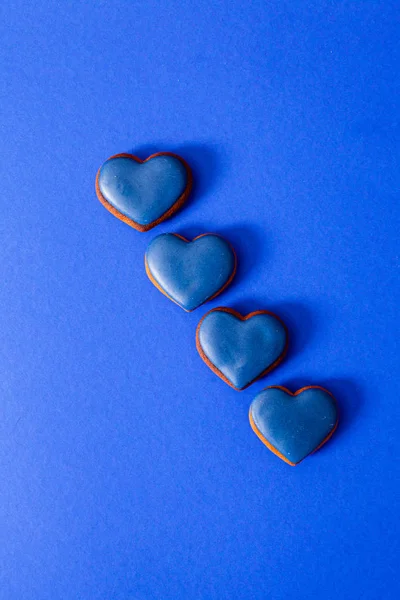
[[143, 193], [241, 349], [190, 272], [293, 425]]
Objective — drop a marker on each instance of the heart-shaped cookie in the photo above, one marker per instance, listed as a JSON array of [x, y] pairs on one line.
[[190, 272], [241, 349], [143, 193], [293, 425]]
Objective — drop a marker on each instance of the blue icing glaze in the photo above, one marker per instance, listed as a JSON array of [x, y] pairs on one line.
[[294, 425], [143, 191], [190, 272], [241, 350]]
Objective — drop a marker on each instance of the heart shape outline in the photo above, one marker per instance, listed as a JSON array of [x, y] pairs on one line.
[[241, 317], [217, 293], [167, 214], [292, 395]]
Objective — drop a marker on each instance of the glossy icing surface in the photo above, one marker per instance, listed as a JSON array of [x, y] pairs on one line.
[[190, 272], [294, 425], [241, 350], [143, 191]]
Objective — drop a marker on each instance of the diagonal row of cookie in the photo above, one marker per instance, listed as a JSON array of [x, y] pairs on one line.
[[240, 349]]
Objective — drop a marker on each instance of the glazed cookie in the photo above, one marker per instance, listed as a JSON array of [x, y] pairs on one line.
[[143, 193], [293, 425], [190, 272], [241, 349]]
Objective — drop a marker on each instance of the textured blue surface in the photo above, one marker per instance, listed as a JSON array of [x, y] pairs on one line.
[[241, 350], [143, 191], [128, 469], [295, 426], [190, 272]]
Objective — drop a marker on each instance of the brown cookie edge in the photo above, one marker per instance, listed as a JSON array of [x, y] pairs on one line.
[[173, 209], [217, 293], [285, 389], [242, 318]]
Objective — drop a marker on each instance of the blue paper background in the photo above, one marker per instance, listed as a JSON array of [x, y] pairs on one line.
[[128, 469]]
